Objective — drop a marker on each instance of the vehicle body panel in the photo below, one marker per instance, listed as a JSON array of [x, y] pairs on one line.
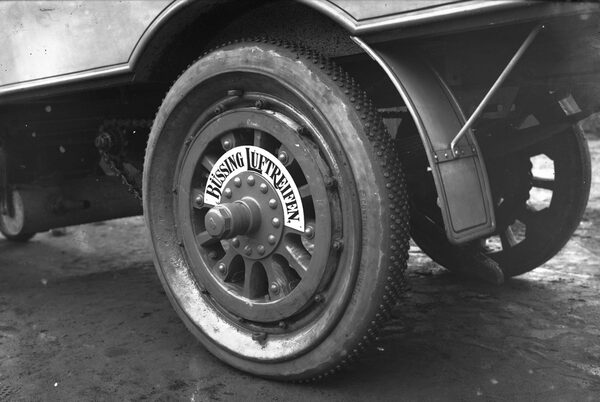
[[52, 38], [52, 42]]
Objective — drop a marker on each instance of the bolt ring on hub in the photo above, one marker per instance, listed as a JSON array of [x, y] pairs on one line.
[[250, 219], [254, 261]]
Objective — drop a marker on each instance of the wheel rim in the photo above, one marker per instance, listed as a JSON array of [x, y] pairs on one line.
[[262, 250]]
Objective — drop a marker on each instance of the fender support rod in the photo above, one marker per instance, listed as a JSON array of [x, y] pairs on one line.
[[499, 81]]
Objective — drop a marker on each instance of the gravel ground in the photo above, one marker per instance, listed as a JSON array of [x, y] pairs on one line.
[[83, 317]]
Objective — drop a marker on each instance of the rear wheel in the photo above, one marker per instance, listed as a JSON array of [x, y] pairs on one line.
[[540, 194], [11, 223], [277, 209]]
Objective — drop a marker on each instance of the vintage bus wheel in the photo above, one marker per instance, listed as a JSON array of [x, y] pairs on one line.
[[11, 225], [540, 196], [277, 209]]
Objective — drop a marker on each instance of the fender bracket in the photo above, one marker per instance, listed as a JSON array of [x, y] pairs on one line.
[[445, 155]]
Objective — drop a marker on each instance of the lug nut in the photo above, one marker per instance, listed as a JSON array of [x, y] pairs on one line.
[[227, 145], [263, 188], [237, 182], [272, 239], [274, 288], [337, 245], [227, 193], [259, 104], [260, 249], [199, 201], [309, 232], [250, 180], [276, 222], [212, 254], [283, 157], [248, 250], [222, 268], [236, 242], [273, 203]]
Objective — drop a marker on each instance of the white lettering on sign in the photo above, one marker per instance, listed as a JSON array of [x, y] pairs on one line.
[[254, 159]]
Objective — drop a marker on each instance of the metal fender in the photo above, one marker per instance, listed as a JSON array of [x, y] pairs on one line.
[[463, 188]]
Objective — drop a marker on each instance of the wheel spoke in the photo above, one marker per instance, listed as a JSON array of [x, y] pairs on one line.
[[304, 191], [296, 256], [281, 282], [260, 139], [230, 254], [507, 238], [539, 182], [204, 239], [208, 162], [288, 230], [254, 280], [224, 265]]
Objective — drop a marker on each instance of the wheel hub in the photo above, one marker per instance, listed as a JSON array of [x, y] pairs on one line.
[[253, 219]]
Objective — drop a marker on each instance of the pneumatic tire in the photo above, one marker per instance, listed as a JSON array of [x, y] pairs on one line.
[[283, 281]]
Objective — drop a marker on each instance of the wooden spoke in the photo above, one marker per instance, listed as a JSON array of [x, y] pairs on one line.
[[296, 256], [204, 239], [228, 258], [304, 191], [208, 162], [279, 273], [260, 139], [507, 238], [230, 271], [539, 182], [255, 281]]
